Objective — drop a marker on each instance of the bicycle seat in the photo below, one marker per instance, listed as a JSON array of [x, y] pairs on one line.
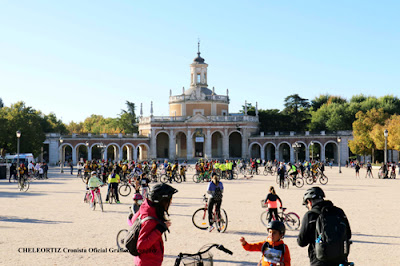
[[284, 209]]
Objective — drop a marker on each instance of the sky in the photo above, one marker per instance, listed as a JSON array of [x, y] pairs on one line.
[[77, 58]]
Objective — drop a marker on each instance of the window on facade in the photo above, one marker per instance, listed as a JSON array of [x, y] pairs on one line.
[[198, 78]]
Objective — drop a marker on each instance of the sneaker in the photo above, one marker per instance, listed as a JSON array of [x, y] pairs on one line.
[[91, 205], [118, 202], [210, 228]]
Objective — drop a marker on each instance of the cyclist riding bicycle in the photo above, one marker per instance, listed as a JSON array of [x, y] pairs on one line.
[[293, 172], [113, 181], [94, 183], [214, 190]]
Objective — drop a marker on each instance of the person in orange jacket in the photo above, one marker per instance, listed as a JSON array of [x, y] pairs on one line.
[[274, 251]]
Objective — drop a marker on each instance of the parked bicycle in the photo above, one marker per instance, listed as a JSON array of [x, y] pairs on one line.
[[290, 219], [199, 259], [200, 218]]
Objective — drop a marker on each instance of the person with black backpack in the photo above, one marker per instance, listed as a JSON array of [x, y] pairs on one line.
[[325, 229], [144, 240]]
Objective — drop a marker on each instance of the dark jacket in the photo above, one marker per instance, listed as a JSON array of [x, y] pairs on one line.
[[150, 244], [307, 233]]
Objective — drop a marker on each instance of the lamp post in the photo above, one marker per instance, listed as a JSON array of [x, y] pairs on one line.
[[386, 133], [87, 147], [18, 136], [312, 150], [62, 155], [339, 139], [296, 147], [102, 147]]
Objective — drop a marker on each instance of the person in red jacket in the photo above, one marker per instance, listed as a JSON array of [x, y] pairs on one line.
[[150, 244], [273, 249]]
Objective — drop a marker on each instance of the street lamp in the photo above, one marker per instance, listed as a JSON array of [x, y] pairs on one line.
[[62, 155], [18, 136], [386, 133], [87, 146], [339, 139], [102, 147], [312, 150], [296, 147]]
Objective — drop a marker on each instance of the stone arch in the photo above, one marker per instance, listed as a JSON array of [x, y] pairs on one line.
[[331, 149], [64, 154], [81, 153], [181, 144], [301, 152], [235, 144], [217, 144], [269, 150], [113, 154], [315, 150], [162, 144], [142, 151], [129, 153], [284, 151], [255, 150]]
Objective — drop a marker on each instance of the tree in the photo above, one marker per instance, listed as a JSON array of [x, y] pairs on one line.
[[127, 119], [1, 103], [298, 110]]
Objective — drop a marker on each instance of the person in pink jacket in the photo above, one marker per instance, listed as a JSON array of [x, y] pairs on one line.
[[150, 244], [272, 201]]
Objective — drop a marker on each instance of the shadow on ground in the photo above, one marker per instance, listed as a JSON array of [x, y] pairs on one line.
[[14, 219]]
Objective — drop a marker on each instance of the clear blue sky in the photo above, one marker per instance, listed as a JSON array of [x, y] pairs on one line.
[[77, 58]]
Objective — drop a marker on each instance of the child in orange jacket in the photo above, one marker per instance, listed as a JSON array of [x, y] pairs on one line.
[[273, 250]]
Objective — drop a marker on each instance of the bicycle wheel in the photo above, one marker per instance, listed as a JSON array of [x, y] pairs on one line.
[[124, 190], [235, 175], [323, 179], [25, 186], [121, 238], [277, 179], [264, 218], [196, 178], [299, 182], [178, 178], [164, 179], [222, 222], [265, 172], [292, 220], [310, 180], [100, 201], [200, 218]]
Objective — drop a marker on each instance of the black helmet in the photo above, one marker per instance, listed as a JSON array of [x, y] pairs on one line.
[[313, 193], [277, 225], [160, 192]]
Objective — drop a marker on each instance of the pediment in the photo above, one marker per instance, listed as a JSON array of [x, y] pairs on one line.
[[198, 118]]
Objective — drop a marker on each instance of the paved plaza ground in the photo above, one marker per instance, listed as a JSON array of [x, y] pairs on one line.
[[52, 215]]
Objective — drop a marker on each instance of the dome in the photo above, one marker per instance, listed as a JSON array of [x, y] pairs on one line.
[[199, 59]]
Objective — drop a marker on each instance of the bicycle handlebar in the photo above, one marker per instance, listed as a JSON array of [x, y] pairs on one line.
[[220, 247]]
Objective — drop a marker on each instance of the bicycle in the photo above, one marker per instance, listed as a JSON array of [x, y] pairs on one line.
[[171, 177], [291, 219], [97, 198], [268, 171], [112, 197], [393, 174], [295, 181], [323, 179], [85, 177], [202, 177], [24, 183], [200, 218], [125, 188], [197, 259], [121, 235]]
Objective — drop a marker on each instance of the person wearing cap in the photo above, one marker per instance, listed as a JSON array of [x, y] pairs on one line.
[[150, 244], [314, 201], [273, 250], [93, 183]]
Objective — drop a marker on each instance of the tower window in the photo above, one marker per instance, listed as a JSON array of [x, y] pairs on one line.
[[198, 78]]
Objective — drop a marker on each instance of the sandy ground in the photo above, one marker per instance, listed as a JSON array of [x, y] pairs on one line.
[[52, 215]]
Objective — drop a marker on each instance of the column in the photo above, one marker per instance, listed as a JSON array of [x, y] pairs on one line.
[[207, 152], [277, 153], [115, 154], [120, 155], [53, 152], [292, 155], [74, 156], [225, 144], [135, 152], [244, 143], [189, 145], [153, 147], [323, 153], [128, 153], [262, 151], [90, 154], [172, 148], [307, 153]]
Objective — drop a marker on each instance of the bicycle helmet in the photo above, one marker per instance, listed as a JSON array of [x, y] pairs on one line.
[[93, 173], [277, 225], [137, 196], [160, 192], [313, 193]]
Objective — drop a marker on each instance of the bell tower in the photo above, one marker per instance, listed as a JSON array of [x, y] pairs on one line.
[[198, 71]]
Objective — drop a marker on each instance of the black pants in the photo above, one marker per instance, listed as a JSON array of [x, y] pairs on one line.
[[211, 204], [274, 212], [281, 181], [113, 186]]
